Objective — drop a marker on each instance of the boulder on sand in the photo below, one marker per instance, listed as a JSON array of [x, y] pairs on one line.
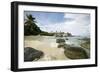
[[60, 40], [61, 45], [31, 54], [73, 52]]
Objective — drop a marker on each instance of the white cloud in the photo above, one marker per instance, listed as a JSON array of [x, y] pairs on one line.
[[79, 25]]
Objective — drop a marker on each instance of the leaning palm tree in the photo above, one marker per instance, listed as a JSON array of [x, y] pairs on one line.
[[30, 27], [29, 20]]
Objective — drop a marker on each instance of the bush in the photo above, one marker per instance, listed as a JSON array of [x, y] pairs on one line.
[[46, 34]]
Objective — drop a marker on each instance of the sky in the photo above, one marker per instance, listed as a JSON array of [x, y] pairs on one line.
[[75, 23]]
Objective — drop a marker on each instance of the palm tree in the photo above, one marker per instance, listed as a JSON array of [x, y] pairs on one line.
[[30, 27], [29, 20]]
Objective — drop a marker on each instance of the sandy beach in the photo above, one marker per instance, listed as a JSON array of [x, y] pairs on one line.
[[47, 45]]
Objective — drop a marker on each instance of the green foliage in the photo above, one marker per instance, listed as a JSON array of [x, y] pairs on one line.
[[69, 34], [30, 27], [46, 33]]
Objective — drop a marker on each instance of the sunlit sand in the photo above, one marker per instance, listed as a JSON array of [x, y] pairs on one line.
[[47, 45]]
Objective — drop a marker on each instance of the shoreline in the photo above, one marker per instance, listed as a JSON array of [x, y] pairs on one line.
[[48, 45]]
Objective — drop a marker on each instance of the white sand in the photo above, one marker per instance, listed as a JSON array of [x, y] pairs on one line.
[[46, 44]]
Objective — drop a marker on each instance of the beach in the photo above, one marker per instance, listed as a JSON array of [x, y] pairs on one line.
[[48, 45]]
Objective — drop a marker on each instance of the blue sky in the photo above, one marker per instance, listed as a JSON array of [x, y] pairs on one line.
[[75, 23]]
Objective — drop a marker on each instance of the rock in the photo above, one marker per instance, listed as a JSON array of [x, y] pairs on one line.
[[68, 34], [60, 40], [73, 52], [66, 38], [31, 54], [61, 45], [86, 45], [59, 35], [66, 46], [62, 34]]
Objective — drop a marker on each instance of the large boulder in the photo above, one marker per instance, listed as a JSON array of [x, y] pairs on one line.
[[86, 45], [61, 45], [31, 54], [74, 52], [66, 38], [60, 40]]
